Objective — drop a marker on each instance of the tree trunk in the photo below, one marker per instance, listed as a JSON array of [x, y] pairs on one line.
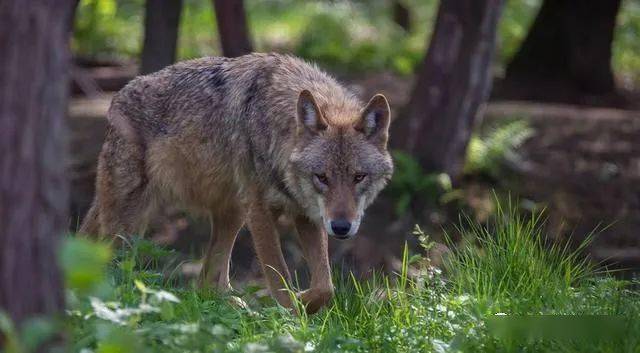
[[34, 62], [72, 18], [161, 22], [453, 83], [567, 53], [401, 15], [232, 27]]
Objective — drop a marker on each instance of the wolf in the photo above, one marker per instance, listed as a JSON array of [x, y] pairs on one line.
[[244, 140]]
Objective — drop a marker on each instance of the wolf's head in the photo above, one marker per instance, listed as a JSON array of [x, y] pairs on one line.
[[339, 168]]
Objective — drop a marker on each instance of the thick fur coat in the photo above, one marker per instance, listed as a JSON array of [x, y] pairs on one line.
[[244, 140]]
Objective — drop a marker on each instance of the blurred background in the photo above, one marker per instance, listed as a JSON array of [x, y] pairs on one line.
[[532, 101]]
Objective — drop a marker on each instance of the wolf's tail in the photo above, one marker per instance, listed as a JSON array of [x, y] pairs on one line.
[[91, 224]]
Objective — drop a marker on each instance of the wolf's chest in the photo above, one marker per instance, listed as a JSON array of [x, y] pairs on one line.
[[279, 196]]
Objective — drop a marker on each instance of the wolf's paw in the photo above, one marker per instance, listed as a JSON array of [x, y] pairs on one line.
[[314, 299]]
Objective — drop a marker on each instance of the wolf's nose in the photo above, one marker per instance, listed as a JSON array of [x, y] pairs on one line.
[[340, 227]]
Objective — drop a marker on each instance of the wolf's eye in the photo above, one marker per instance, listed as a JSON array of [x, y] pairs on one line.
[[359, 177], [322, 178]]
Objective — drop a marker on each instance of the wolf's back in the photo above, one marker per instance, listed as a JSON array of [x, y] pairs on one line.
[[261, 87], [146, 106]]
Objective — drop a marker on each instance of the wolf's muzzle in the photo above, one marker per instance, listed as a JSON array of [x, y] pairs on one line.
[[341, 228]]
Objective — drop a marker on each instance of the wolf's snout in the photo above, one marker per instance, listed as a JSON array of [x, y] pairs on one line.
[[341, 227]]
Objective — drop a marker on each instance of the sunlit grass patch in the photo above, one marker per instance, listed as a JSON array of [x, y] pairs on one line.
[[511, 259], [506, 267]]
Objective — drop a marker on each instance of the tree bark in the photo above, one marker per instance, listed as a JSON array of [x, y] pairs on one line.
[[401, 15], [161, 23], [232, 27], [34, 63], [453, 83], [567, 52]]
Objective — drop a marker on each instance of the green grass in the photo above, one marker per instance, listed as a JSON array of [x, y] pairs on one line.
[[142, 304], [135, 301], [511, 260]]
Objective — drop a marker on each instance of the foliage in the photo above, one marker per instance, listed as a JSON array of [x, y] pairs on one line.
[[83, 263], [27, 338], [410, 182], [347, 36], [626, 44], [339, 36], [487, 152], [108, 28], [197, 35], [517, 17]]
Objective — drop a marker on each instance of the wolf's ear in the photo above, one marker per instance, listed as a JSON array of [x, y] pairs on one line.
[[374, 122], [310, 118]]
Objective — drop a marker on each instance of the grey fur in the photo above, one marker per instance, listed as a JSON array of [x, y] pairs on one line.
[[218, 135]]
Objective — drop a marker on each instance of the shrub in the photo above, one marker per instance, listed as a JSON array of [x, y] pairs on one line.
[[487, 153]]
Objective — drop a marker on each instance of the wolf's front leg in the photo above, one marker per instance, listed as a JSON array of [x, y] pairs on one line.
[[313, 241], [266, 241]]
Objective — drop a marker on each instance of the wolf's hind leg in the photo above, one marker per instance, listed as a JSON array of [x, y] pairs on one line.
[[215, 267]]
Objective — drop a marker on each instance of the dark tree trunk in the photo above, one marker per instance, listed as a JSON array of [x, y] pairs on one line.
[[232, 27], [34, 63], [567, 52], [401, 15], [161, 22], [72, 18], [453, 83]]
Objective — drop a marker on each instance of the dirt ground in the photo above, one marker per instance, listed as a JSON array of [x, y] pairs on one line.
[[582, 164]]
